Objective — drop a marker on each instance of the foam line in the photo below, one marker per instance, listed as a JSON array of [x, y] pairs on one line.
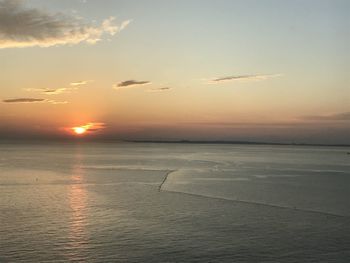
[[247, 202], [259, 204]]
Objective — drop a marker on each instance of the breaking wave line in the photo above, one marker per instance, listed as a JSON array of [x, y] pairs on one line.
[[160, 188]]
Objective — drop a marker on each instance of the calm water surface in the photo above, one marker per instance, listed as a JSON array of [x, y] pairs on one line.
[[128, 202]]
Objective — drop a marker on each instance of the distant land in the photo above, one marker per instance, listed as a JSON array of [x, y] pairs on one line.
[[235, 142], [115, 140]]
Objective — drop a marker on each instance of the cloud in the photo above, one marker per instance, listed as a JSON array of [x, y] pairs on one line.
[[54, 91], [159, 89], [74, 86], [21, 26], [51, 91], [256, 77], [80, 83], [343, 116], [130, 83], [124, 24], [23, 100], [56, 102], [33, 100]]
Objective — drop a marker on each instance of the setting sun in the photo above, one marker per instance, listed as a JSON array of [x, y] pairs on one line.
[[79, 130], [90, 127]]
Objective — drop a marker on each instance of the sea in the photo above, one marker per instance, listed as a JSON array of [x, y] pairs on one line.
[[173, 202]]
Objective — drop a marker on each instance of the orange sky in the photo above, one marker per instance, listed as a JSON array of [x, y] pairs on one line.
[[227, 70]]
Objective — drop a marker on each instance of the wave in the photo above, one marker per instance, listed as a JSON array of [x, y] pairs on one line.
[[162, 187], [259, 203]]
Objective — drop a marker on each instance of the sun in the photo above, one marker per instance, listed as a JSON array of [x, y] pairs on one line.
[[79, 130], [86, 129]]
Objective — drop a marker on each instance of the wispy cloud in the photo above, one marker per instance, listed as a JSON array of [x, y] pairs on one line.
[[33, 100], [343, 116], [130, 83], [73, 86], [80, 83], [159, 89], [21, 26], [23, 100], [124, 24], [255, 77], [54, 91], [56, 102], [50, 91]]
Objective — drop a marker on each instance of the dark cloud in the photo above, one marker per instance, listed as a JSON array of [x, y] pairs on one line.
[[159, 89], [33, 100], [54, 91], [23, 100], [244, 77], [343, 116], [21, 26], [130, 83]]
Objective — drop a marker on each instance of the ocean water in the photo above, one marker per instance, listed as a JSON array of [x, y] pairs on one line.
[[148, 202]]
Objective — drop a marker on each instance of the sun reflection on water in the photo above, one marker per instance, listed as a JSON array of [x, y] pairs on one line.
[[78, 198]]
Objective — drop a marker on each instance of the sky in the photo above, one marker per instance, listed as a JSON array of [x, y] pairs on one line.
[[269, 71]]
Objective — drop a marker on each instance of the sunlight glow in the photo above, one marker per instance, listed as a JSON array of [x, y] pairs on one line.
[[79, 130], [88, 128]]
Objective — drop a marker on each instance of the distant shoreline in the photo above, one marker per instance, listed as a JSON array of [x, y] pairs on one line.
[[86, 140], [236, 142]]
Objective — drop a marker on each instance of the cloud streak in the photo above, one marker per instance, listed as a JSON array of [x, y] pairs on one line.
[[159, 89], [80, 83], [343, 116], [33, 100], [130, 84], [255, 77], [73, 86], [23, 100], [51, 91], [21, 26], [54, 91]]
